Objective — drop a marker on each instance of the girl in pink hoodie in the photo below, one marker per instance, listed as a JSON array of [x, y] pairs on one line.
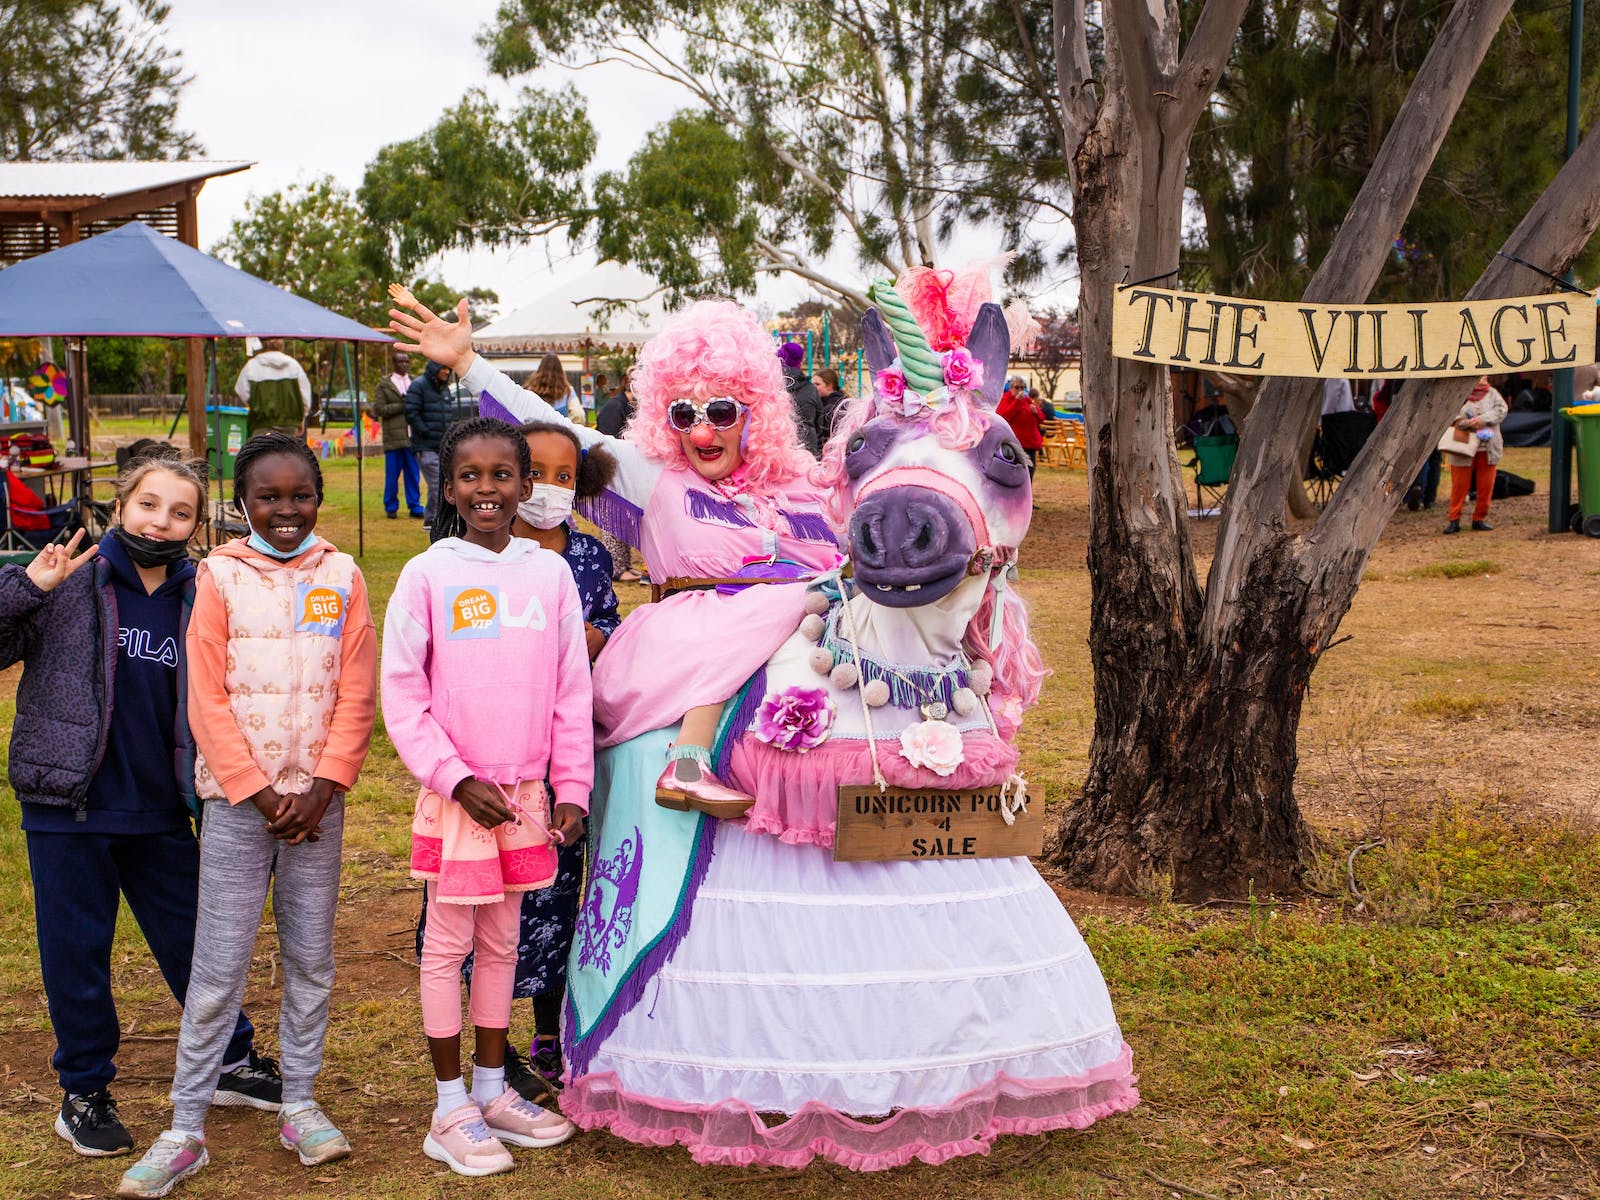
[[486, 694]]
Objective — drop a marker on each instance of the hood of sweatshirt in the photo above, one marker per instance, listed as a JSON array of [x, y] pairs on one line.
[[276, 359], [465, 551], [240, 548]]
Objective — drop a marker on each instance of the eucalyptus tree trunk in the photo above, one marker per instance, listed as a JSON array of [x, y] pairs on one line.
[[1198, 698]]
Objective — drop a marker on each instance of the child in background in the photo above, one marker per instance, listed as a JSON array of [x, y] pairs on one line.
[[562, 474], [486, 695], [102, 764], [282, 675]]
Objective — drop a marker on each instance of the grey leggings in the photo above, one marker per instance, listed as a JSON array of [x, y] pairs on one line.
[[238, 858]]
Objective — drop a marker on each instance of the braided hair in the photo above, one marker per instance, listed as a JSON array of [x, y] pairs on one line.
[[265, 445], [447, 521]]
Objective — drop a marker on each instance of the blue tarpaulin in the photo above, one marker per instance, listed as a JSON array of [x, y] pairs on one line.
[[134, 281]]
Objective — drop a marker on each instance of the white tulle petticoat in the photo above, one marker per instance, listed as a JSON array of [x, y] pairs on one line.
[[867, 1013]]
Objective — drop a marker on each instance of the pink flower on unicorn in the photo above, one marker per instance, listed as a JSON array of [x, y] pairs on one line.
[[796, 719], [934, 745], [891, 383], [962, 370]]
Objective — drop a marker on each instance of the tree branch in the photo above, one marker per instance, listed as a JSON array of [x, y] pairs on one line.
[[790, 263]]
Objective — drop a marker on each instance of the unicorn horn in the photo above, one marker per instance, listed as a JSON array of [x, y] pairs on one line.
[[923, 369]]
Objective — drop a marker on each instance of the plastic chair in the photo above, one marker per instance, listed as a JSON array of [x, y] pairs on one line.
[[1213, 467]]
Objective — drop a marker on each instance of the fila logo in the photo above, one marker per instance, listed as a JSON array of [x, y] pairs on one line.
[[136, 643]]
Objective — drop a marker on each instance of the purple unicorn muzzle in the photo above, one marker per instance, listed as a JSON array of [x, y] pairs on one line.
[[912, 534]]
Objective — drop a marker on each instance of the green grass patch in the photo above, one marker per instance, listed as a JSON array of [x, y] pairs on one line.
[[1449, 706], [1456, 569]]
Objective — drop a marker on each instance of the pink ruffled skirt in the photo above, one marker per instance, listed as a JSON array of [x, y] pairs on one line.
[[474, 865]]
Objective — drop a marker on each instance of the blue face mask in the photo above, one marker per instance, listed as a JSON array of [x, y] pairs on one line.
[[256, 542]]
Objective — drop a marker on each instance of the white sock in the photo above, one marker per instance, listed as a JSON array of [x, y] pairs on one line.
[[177, 1135], [487, 1083], [452, 1095]]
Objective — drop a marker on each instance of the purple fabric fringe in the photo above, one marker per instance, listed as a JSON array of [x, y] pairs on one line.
[[580, 1053], [488, 406], [744, 711], [620, 517], [811, 527], [702, 507]]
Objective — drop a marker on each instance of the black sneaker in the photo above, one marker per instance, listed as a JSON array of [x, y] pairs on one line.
[[91, 1124], [525, 1081], [547, 1062], [255, 1084]]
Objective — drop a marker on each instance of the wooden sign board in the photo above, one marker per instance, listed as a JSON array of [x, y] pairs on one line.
[[1353, 341], [904, 824]]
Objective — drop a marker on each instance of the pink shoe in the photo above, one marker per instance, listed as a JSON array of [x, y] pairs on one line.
[[705, 793], [523, 1123], [463, 1142]]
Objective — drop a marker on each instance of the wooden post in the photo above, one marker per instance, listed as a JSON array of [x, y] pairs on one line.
[[194, 351]]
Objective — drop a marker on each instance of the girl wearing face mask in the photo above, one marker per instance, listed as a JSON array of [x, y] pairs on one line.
[[282, 692], [102, 762], [562, 473]]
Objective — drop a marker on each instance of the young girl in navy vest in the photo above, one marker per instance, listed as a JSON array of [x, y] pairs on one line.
[[102, 762]]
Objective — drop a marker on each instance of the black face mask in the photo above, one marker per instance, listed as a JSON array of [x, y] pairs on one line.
[[150, 552]]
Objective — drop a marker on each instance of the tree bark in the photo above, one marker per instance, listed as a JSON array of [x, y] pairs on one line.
[[1197, 704]]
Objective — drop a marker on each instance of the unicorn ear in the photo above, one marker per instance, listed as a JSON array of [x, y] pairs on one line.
[[876, 341], [990, 344]]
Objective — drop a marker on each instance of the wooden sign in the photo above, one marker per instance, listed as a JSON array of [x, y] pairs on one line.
[[1377, 341], [906, 824]]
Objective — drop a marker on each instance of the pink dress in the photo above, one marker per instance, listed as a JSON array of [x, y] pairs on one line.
[[697, 647]]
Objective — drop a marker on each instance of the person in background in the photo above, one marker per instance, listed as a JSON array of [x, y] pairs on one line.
[[1020, 411], [275, 389], [389, 406], [429, 409], [830, 397], [1480, 417], [802, 395], [550, 384], [102, 762], [611, 420], [1337, 396]]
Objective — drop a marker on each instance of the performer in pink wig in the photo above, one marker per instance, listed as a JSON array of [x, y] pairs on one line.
[[711, 486]]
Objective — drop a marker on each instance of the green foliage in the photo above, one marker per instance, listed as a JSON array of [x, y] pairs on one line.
[[683, 210], [89, 79], [1302, 110], [480, 177], [127, 366]]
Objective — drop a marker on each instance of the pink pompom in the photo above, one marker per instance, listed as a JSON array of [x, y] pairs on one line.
[[844, 676], [981, 677], [876, 693], [964, 701], [817, 602], [821, 660]]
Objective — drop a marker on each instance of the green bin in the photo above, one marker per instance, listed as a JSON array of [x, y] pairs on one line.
[[1585, 420], [226, 429]]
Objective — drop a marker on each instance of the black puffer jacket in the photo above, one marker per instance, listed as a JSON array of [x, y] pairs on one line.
[[429, 409], [807, 408], [66, 640]]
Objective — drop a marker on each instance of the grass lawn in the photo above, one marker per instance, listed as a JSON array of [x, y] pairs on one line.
[[1427, 1026]]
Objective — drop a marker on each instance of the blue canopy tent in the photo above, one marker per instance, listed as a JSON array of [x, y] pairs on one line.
[[136, 282]]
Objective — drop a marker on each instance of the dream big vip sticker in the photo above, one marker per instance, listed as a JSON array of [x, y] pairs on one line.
[[320, 608], [479, 612]]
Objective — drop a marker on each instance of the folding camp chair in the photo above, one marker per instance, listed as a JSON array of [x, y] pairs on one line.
[[1213, 467], [1339, 439]]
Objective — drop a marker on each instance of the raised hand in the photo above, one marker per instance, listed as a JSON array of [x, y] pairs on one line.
[[55, 563], [446, 342]]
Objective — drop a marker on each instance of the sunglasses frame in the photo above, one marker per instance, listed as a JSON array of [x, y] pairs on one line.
[[700, 413]]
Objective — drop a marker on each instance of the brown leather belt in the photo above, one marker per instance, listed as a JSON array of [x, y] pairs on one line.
[[673, 584]]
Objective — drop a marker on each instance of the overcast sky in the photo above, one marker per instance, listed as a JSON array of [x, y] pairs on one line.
[[313, 87]]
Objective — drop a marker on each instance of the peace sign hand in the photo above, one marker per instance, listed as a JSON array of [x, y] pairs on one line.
[[55, 563], [448, 343]]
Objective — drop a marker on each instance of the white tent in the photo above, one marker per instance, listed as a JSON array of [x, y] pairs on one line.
[[568, 319]]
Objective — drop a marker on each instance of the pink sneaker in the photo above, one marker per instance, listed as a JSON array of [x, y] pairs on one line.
[[464, 1143], [521, 1123]]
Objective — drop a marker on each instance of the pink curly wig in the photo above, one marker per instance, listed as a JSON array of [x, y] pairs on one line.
[[716, 348]]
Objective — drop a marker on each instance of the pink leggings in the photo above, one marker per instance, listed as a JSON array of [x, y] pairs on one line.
[[489, 932]]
